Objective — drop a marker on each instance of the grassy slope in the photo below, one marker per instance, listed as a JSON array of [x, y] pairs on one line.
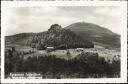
[[95, 33]]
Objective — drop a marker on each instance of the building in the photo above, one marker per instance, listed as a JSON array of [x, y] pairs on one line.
[[49, 48], [79, 49]]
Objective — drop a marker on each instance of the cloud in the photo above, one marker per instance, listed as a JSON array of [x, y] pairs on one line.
[[22, 11], [37, 19]]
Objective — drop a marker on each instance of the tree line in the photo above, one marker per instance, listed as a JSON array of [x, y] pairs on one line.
[[59, 38]]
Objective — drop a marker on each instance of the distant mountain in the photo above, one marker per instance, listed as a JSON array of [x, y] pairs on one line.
[[75, 35], [95, 33]]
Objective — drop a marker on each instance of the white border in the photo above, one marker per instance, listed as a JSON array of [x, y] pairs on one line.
[[123, 4]]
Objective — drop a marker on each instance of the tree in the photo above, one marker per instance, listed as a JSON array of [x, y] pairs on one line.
[[40, 46], [68, 55]]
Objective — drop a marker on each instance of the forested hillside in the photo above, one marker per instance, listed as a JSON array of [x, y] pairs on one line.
[[58, 38]]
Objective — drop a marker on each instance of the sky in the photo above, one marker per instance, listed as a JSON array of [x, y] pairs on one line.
[[38, 19]]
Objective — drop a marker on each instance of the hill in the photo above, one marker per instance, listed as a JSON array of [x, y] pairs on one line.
[[59, 38], [95, 33], [56, 36], [20, 39], [80, 34]]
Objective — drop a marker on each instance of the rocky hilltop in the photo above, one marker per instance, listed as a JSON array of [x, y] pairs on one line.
[[59, 38]]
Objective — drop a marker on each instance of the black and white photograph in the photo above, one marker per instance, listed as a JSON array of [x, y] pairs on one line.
[[62, 42]]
